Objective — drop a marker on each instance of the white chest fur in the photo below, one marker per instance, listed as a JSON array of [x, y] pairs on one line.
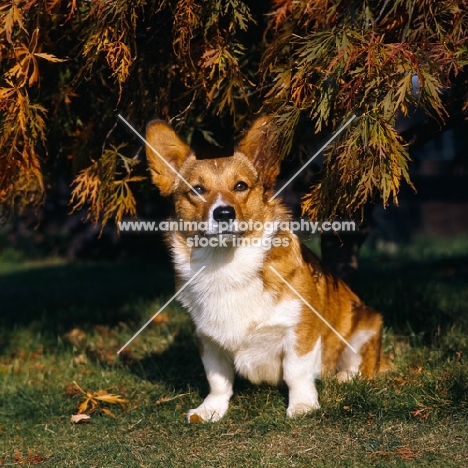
[[229, 306]]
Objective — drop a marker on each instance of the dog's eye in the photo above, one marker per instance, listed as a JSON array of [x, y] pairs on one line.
[[199, 189], [240, 186]]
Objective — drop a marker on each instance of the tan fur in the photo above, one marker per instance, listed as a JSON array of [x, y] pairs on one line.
[[256, 165]]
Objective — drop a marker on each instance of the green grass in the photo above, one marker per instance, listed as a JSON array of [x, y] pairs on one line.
[[62, 322]]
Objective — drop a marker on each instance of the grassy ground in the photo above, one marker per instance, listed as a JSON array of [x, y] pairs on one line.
[[62, 323]]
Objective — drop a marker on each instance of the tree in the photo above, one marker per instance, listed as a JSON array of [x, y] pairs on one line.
[[68, 69]]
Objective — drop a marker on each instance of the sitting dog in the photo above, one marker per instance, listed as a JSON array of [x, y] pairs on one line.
[[261, 304]]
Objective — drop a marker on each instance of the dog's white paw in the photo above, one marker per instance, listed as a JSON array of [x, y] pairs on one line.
[[211, 410], [347, 375], [298, 409]]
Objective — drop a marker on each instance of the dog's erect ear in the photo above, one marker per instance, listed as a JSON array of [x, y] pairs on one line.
[[170, 150], [259, 146]]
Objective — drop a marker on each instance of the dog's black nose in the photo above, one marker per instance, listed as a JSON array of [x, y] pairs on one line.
[[224, 213]]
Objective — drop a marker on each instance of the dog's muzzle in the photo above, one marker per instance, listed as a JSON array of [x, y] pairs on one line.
[[223, 222]]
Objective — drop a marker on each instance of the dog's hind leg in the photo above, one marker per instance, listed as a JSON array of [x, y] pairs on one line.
[[371, 356], [362, 355]]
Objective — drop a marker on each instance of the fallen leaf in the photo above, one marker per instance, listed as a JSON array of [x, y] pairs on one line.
[[34, 459], [99, 353], [17, 457], [108, 412], [80, 418], [104, 331], [161, 318], [421, 413], [111, 398], [406, 453], [416, 369], [76, 337], [400, 381], [81, 359], [92, 400], [36, 354], [83, 406], [72, 390]]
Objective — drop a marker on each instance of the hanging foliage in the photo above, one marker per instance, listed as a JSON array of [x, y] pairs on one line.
[[69, 68]]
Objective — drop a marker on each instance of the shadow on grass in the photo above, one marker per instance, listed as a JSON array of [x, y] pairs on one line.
[[179, 366], [421, 298], [52, 299], [417, 297]]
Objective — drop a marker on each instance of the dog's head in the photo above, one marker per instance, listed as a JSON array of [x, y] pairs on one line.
[[221, 196]]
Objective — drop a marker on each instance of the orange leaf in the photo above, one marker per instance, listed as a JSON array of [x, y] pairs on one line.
[[34, 459], [12, 17], [17, 458], [161, 318], [108, 412], [49, 57], [421, 413], [76, 337], [111, 399], [83, 406]]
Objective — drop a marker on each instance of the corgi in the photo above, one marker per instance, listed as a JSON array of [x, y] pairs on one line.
[[262, 305]]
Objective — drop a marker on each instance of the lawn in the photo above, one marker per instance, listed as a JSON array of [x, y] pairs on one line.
[[63, 322]]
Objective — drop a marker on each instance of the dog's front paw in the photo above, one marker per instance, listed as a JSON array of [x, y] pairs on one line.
[[211, 410], [298, 409]]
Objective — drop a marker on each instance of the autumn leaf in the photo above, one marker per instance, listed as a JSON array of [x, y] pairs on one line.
[[17, 458], [10, 18], [27, 56], [161, 318], [404, 90], [406, 453], [76, 337], [31, 459], [108, 412], [93, 401], [80, 360], [423, 412], [104, 186], [83, 406], [72, 390], [110, 398]]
